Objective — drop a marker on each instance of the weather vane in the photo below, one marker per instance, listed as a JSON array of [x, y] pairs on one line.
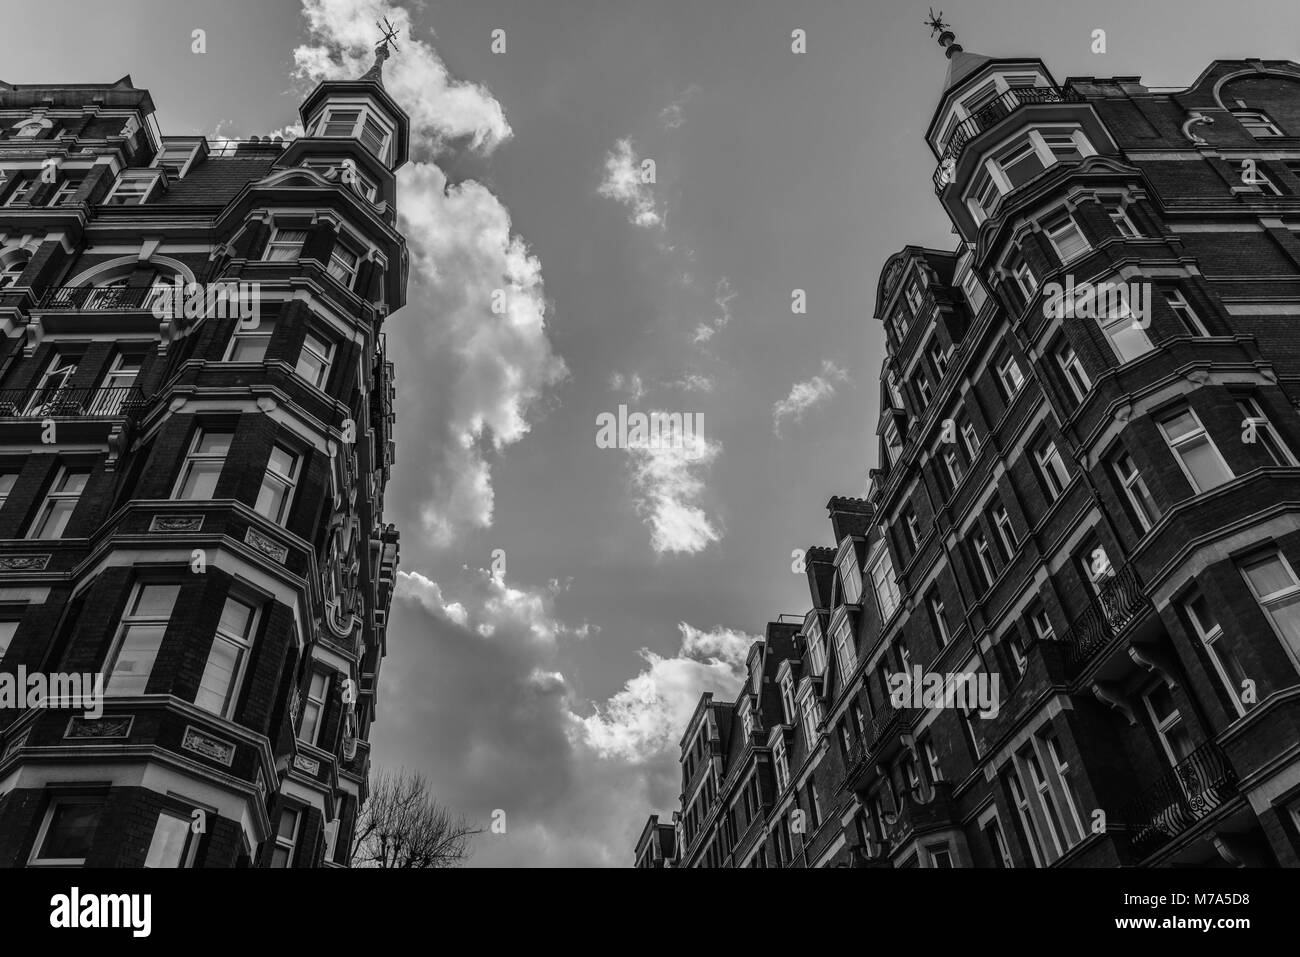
[[936, 24], [389, 33]]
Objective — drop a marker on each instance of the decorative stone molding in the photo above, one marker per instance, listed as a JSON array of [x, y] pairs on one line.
[[118, 726], [304, 763], [24, 563], [267, 546], [208, 746], [176, 523]]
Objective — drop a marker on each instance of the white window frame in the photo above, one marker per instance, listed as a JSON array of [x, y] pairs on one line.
[[133, 184], [913, 527], [1057, 228], [326, 359], [816, 646], [1189, 439], [193, 457], [1272, 599], [287, 844], [1256, 120], [188, 849], [1042, 623], [1183, 310], [242, 645], [984, 556], [1119, 216], [342, 244], [952, 465], [970, 440], [1002, 522], [1072, 368], [133, 618], [846, 653], [259, 334], [54, 495], [1167, 724], [974, 290], [850, 577], [67, 188], [809, 714], [1013, 380], [937, 613], [1135, 487], [277, 243], [26, 183], [358, 126], [787, 700], [1024, 277], [275, 480], [1051, 465], [35, 859], [317, 704], [1210, 632], [1020, 799], [884, 583], [1277, 449]]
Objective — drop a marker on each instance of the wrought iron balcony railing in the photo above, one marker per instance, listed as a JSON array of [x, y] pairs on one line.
[[988, 116], [1121, 600], [95, 298], [1199, 784], [63, 402], [876, 733]]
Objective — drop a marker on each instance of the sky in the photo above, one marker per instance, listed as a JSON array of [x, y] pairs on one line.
[[562, 605]]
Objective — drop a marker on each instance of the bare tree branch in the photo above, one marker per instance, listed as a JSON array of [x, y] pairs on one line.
[[402, 825]]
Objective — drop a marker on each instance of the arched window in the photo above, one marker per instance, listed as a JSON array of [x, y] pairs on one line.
[[12, 266]]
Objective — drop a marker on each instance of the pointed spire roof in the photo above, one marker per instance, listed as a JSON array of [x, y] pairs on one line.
[[376, 72], [960, 63]]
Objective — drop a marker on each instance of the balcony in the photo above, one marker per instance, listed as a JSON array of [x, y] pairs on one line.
[[989, 116], [917, 817], [875, 736], [1189, 793], [100, 298], [67, 403], [1120, 603]]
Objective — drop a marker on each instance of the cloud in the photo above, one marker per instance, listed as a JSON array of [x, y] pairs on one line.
[[631, 384], [673, 115], [649, 715], [444, 111], [476, 363], [498, 725], [668, 487], [691, 383], [723, 294], [623, 183], [804, 395]]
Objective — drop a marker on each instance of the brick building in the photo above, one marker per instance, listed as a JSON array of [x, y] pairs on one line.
[[1100, 507], [193, 505]]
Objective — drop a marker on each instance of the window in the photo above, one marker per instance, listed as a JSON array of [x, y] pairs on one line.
[[24, 184], [286, 837], [913, 529], [787, 699], [1072, 369], [1184, 311], [953, 466], [1143, 506], [816, 647], [845, 652], [1096, 566], [1028, 832], [356, 124], [1062, 767], [886, 587], [50, 392], [1021, 163], [373, 137], [220, 685], [939, 856], [1278, 593], [1257, 124], [1006, 534], [1255, 423], [60, 501], [1046, 801], [8, 627], [131, 189], [13, 270], [1065, 238], [1126, 333], [938, 619], [1025, 278], [172, 845], [747, 725], [810, 720], [1206, 626], [1115, 210], [7, 480], [314, 359], [899, 322], [175, 158], [970, 440], [932, 760], [285, 245], [250, 344], [980, 545], [314, 707], [998, 844], [340, 123], [1051, 467], [850, 577], [782, 769], [922, 387], [139, 637], [1198, 456], [894, 392], [1063, 146], [984, 197], [1168, 723], [203, 465], [914, 297], [63, 194], [1015, 646], [974, 291], [1042, 625], [343, 263], [1257, 180], [1009, 375], [939, 359], [277, 484], [67, 831]]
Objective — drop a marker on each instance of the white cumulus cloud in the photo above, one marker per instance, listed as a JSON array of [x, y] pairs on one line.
[[668, 485], [623, 183], [804, 395]]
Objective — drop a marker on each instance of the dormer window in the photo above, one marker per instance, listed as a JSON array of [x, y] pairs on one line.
[[357, 123], [811, 717], [176, 158], [747, 720], [893, 445], [133, 188], [885, 584], [1257, 124], [850, 577], [787, 697], [816, 647]]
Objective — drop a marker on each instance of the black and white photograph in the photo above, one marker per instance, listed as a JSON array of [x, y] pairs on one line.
[[499, 435]]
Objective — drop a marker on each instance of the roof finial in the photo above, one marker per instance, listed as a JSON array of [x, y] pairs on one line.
[[947, 39], [388, 35]]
